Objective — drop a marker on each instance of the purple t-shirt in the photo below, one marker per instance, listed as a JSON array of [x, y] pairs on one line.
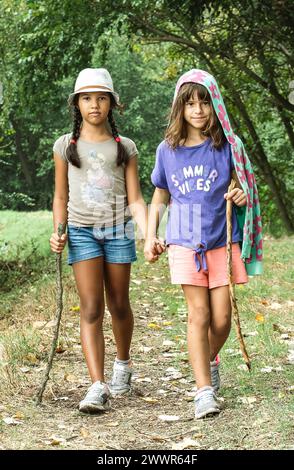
[[197, 178]]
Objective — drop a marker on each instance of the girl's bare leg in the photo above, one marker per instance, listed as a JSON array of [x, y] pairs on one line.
[[197, 334], [220, 323], [117, 281], [89, 280]]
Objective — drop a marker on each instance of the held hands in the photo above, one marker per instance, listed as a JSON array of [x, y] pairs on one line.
[[238, 196], [153, 249], [58, 243]]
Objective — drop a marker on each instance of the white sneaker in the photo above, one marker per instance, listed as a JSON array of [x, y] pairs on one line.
[[96, 399], [121, 379], [206, 403]]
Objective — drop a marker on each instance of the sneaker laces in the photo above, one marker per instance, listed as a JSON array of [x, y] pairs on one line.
[[97, 387], [205, 396], [121, 374]]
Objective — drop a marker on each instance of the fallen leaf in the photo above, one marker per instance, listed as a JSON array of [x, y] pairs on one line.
[[150, 399], [172, 370], [266, 370], [56, 441], [259, 317], [251, 333], [168, 343], [75, 308], [168, 418], [69, 378], [19, 415], [142, 379], [285, 336], [185, 444], [37, 325], [50, 324], [138, 283], [32, 358], [188, 398], [25, 370], [248, 400], [145, 349], [158, 438], [167, 323], [275, 306], [154, 326], [84, 433], [60, 349], [191, 394], [12, 421], [112, 424]]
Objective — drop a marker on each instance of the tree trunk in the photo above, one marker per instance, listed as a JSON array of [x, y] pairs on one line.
[[259, 156], [25, 164]]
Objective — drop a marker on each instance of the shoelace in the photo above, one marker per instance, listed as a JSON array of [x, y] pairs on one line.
[[92, 392], [206, 397], [121, 376]]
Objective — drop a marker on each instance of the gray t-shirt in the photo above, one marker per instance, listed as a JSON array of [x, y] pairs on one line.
[[97, 190]]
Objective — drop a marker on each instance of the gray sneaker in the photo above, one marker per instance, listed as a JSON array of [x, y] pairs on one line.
[[214, 370], [121, 379], [96, 399], [206, 403]]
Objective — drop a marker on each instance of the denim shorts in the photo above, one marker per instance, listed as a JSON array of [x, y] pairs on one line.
[[116, 244]]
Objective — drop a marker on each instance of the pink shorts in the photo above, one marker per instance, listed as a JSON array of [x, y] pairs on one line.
[[183, 267]]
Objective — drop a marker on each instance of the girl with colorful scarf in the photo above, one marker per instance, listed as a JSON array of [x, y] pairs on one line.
[[194, 167]]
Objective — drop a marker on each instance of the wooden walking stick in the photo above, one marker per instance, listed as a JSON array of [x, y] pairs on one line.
[[59, 306], [230, 277]]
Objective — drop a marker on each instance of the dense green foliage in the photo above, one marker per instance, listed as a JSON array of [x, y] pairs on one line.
[[146, 45]]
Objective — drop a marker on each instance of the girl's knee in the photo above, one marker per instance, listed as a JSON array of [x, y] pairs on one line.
[[120, 308], [199, 316], [221, 327], [92, 312]]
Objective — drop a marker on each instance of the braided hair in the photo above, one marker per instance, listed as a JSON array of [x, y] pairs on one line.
[[72, 152], [122, 156]]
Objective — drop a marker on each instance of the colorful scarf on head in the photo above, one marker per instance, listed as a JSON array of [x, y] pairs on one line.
[[249, 219]]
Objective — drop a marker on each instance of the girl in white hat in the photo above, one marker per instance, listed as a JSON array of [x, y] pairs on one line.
[[97, 191]]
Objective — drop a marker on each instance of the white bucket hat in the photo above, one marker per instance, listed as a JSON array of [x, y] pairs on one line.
[[94, 80]]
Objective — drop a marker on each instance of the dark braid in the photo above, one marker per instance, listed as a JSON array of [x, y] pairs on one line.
[[122, 156], [72, 151]]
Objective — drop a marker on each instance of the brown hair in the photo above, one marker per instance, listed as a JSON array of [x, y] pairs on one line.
[[177, 127], [72, 151]]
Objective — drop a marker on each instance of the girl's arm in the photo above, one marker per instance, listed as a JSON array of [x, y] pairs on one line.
[[60, 201], [136, 203], [159, 202]]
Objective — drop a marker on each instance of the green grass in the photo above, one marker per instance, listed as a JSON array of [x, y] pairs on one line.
[[29, 296], [272, 288], [24, 232], [25, 256]]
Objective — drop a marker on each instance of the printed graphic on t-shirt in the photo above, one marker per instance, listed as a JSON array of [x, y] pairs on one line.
[[194, 178], [98, 187]]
